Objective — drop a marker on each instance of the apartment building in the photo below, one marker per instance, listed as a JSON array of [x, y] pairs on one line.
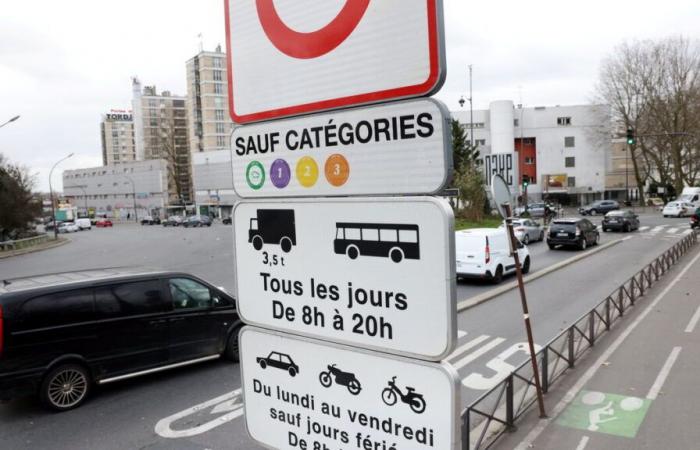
[[117, 132], [160, 132]]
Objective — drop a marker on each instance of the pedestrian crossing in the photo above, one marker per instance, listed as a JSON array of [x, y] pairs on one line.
[[667, 231]]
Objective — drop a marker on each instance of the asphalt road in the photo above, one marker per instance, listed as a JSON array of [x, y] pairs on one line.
[[199, 407]]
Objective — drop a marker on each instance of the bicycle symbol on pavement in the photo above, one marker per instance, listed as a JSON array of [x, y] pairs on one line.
[[606, 413]]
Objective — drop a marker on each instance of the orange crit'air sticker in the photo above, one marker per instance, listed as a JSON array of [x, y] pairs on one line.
[[337, 170], [307, 171]]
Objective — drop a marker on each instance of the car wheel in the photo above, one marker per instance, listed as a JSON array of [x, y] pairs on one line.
[[552, 246], [593, 212], [526, 239], [526, 266], [583, 244], [65, 387], [257, 242], [626, 229], [263, 364], [352, 252], [292, 372], [498, 276], [232, 350], [597, 239]]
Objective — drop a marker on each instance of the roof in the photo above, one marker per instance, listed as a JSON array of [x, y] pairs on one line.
[[568, 220], [67, 278]]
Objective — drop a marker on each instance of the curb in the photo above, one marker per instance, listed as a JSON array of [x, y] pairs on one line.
[[26, 251], [466, 304]]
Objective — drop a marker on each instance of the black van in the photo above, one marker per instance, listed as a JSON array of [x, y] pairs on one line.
[[60, 334]]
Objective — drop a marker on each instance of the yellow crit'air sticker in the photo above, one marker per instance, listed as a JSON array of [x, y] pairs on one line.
[[307, 171]]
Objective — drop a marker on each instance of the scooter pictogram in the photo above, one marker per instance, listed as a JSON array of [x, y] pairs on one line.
[[342, 378], [391, 394]]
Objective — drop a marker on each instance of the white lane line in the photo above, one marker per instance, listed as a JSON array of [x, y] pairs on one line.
[[590, 373], [583, 443], [474, 355], [473, 343], [461, 334], [641, 229], [693, 321], [686, 232], [657, 229], [672, 230], [665, 370], [229, 400], [627, 238]]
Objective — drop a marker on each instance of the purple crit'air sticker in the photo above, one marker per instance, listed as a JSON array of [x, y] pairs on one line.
[[280, 173]]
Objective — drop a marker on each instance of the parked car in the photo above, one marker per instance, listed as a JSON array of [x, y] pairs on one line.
[[573, 232], [62, 334], [150, 220], [537, 210], [49, 226], [620, 220], [83, 224], [485, 253], [677, 209], [656, 202], [599, 207], [172, 221], [227, 220], [527, 230], [103, 223], [197, 221], [68, 227]]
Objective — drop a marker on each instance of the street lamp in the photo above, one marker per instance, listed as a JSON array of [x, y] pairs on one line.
[[133, 189], [9, 121], [53, 208], [462, 101]]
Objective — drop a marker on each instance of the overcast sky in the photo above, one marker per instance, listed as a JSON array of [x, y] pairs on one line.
[[63, 64]]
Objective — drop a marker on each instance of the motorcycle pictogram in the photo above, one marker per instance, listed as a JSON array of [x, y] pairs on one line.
[[342, 378], [391, 394]]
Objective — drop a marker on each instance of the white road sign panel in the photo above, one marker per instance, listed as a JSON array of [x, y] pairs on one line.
[[377, 273], [397, 148], [291, 57], [303, 394]]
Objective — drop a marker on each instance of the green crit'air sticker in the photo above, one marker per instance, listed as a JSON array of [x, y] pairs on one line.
[[255, 175], [605, 413]]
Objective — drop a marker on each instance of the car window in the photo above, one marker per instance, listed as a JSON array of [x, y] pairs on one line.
[[285, 359], [62, 308], [129, 299], [189, 294]]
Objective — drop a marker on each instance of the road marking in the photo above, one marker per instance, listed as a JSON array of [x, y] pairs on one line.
[[665, 370], [657, 229], [499, 366], [474, 355], [671, 230], [583, 443], [232, 401], [686, 232], [461, 334], [473, 343], [590, 373], [627, 238], [693, 321], [641, 229]]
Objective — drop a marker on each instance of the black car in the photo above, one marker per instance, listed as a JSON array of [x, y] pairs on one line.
[[62, 334], [172, 221], [227, 220], [572, 232], [599, 207], [150, 220], [621, 221], [197, 221]]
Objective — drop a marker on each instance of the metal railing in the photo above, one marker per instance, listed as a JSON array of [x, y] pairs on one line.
[[23, 243], [496, 411]]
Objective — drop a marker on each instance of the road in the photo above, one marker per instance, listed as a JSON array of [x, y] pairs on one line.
[[199, 407]]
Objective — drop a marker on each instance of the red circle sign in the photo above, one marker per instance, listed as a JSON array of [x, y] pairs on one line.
[[310, 45]]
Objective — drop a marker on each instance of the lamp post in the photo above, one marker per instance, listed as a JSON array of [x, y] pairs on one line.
[[133, 190], [53, 208], [462, 101], [9, 121]]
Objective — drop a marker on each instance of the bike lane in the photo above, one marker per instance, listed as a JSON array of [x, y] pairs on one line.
[[639, 388]]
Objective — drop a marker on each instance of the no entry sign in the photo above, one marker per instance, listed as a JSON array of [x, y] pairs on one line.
[[397, 148], [291, 57], [376, 273], [305, 394]]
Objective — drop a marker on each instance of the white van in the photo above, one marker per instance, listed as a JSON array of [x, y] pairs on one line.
[[690, 195], [484, 253], [83, 224]]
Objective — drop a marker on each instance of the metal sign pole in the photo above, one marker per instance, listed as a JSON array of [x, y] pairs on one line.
[[526, 312]]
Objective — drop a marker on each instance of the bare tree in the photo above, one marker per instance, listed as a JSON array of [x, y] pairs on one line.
[[18, 206]]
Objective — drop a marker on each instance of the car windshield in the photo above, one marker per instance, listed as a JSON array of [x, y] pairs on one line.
[[616, 213], [563, 226]]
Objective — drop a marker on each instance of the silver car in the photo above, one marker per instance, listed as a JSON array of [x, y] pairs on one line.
[[527, 230]]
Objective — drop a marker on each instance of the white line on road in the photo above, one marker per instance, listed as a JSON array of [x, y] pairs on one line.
[[693, 321], [627, 238], [671, 230], [665, 370], [657, 229], [461, 334], [583, 443], [686, 232], [474, 355], [590, 373], [163, 427], [473, 343], [643, 228]]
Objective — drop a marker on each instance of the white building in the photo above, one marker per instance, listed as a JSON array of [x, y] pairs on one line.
[[113, 191], [561, 151]]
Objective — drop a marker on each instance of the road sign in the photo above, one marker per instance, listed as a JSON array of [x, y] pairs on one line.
[[376, 272], [500, 193], [291, 57], [305, 394], [398, 148]]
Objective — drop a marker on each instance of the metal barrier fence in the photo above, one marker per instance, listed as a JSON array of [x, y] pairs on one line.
[[496, 411], [23, 243]]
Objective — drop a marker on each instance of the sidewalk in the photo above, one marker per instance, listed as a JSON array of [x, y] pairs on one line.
[[640, 389]]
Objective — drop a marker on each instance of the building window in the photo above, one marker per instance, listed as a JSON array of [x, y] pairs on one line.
[[218, 62], [516, 122], [569, 142], [221, 141], [571, 181], [218, 88], [480, 142], [563, 120], [220, 128], [570, 161], [217, 75], [218, 102], [219, 113], [529, 160]]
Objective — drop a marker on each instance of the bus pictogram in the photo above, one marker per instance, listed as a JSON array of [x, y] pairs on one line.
[[395, 241]]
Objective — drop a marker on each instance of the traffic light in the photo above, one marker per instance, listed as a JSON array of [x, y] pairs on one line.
[[526, 181], [630, 136]]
